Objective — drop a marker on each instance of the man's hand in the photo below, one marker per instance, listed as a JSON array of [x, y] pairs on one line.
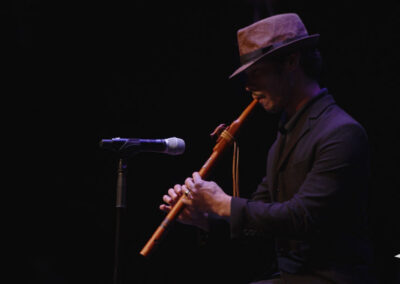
[[203, 197], [188, 215], [207, 196]]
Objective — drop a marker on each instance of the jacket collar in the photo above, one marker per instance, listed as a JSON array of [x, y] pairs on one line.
[[321, 104]]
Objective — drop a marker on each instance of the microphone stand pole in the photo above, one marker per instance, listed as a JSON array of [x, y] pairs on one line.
[[120, 213]]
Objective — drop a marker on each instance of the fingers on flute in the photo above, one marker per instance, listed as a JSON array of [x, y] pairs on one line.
[[178, 189], [189, 184], [170, 199], [188, 199], [172, 193], [167, 199], [197, 180], [165, 208]]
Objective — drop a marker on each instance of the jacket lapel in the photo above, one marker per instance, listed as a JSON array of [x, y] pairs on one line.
[[303, 127]]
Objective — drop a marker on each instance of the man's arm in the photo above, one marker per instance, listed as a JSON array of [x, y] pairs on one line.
[[326, 194], [262, 193]]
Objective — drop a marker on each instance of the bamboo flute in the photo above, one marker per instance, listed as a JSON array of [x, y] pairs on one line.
[[224, 141]]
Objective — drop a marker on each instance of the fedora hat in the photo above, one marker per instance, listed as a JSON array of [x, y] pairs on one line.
[[281, 33]]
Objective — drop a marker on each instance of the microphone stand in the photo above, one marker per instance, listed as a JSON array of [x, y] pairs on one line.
[[120, 213], [125, 149]]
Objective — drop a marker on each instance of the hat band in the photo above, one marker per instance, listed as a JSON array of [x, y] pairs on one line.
[[246, 58]]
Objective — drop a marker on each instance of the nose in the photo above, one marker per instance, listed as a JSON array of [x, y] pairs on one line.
[[252, 90], [256, 96]]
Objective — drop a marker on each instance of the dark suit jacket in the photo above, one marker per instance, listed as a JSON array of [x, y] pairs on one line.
[[313, 199]]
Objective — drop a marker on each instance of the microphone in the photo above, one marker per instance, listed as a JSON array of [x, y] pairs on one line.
[[170, 146]]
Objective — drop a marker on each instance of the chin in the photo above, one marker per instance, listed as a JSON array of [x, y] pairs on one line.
[[268, 104], [272, 108]]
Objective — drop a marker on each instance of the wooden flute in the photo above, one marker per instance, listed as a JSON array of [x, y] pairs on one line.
[[224, 141]]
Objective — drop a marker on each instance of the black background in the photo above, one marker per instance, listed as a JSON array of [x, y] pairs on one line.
[[75, 72]]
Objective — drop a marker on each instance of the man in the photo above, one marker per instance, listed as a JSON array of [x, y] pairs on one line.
[[313, 197]]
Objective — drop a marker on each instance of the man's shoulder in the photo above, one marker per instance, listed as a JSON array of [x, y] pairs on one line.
[[336, 116], [327, 114], [336, 122]]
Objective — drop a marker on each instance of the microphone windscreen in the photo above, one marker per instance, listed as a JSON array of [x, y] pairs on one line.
[[175, 146]]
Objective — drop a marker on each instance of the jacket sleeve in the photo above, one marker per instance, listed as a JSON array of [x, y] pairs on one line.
[[262, 193], [220, 228], [329, 191]]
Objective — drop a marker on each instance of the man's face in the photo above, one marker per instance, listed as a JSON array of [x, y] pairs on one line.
[[269, 84]]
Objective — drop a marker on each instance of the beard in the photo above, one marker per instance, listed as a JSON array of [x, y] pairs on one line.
[[273, 104]]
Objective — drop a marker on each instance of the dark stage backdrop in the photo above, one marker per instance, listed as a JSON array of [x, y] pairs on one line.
[[76, 72]]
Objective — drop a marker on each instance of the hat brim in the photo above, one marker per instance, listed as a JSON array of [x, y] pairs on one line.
[[308, 41]]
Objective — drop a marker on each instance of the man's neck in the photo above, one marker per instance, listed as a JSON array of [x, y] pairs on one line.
[[301, 96]]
